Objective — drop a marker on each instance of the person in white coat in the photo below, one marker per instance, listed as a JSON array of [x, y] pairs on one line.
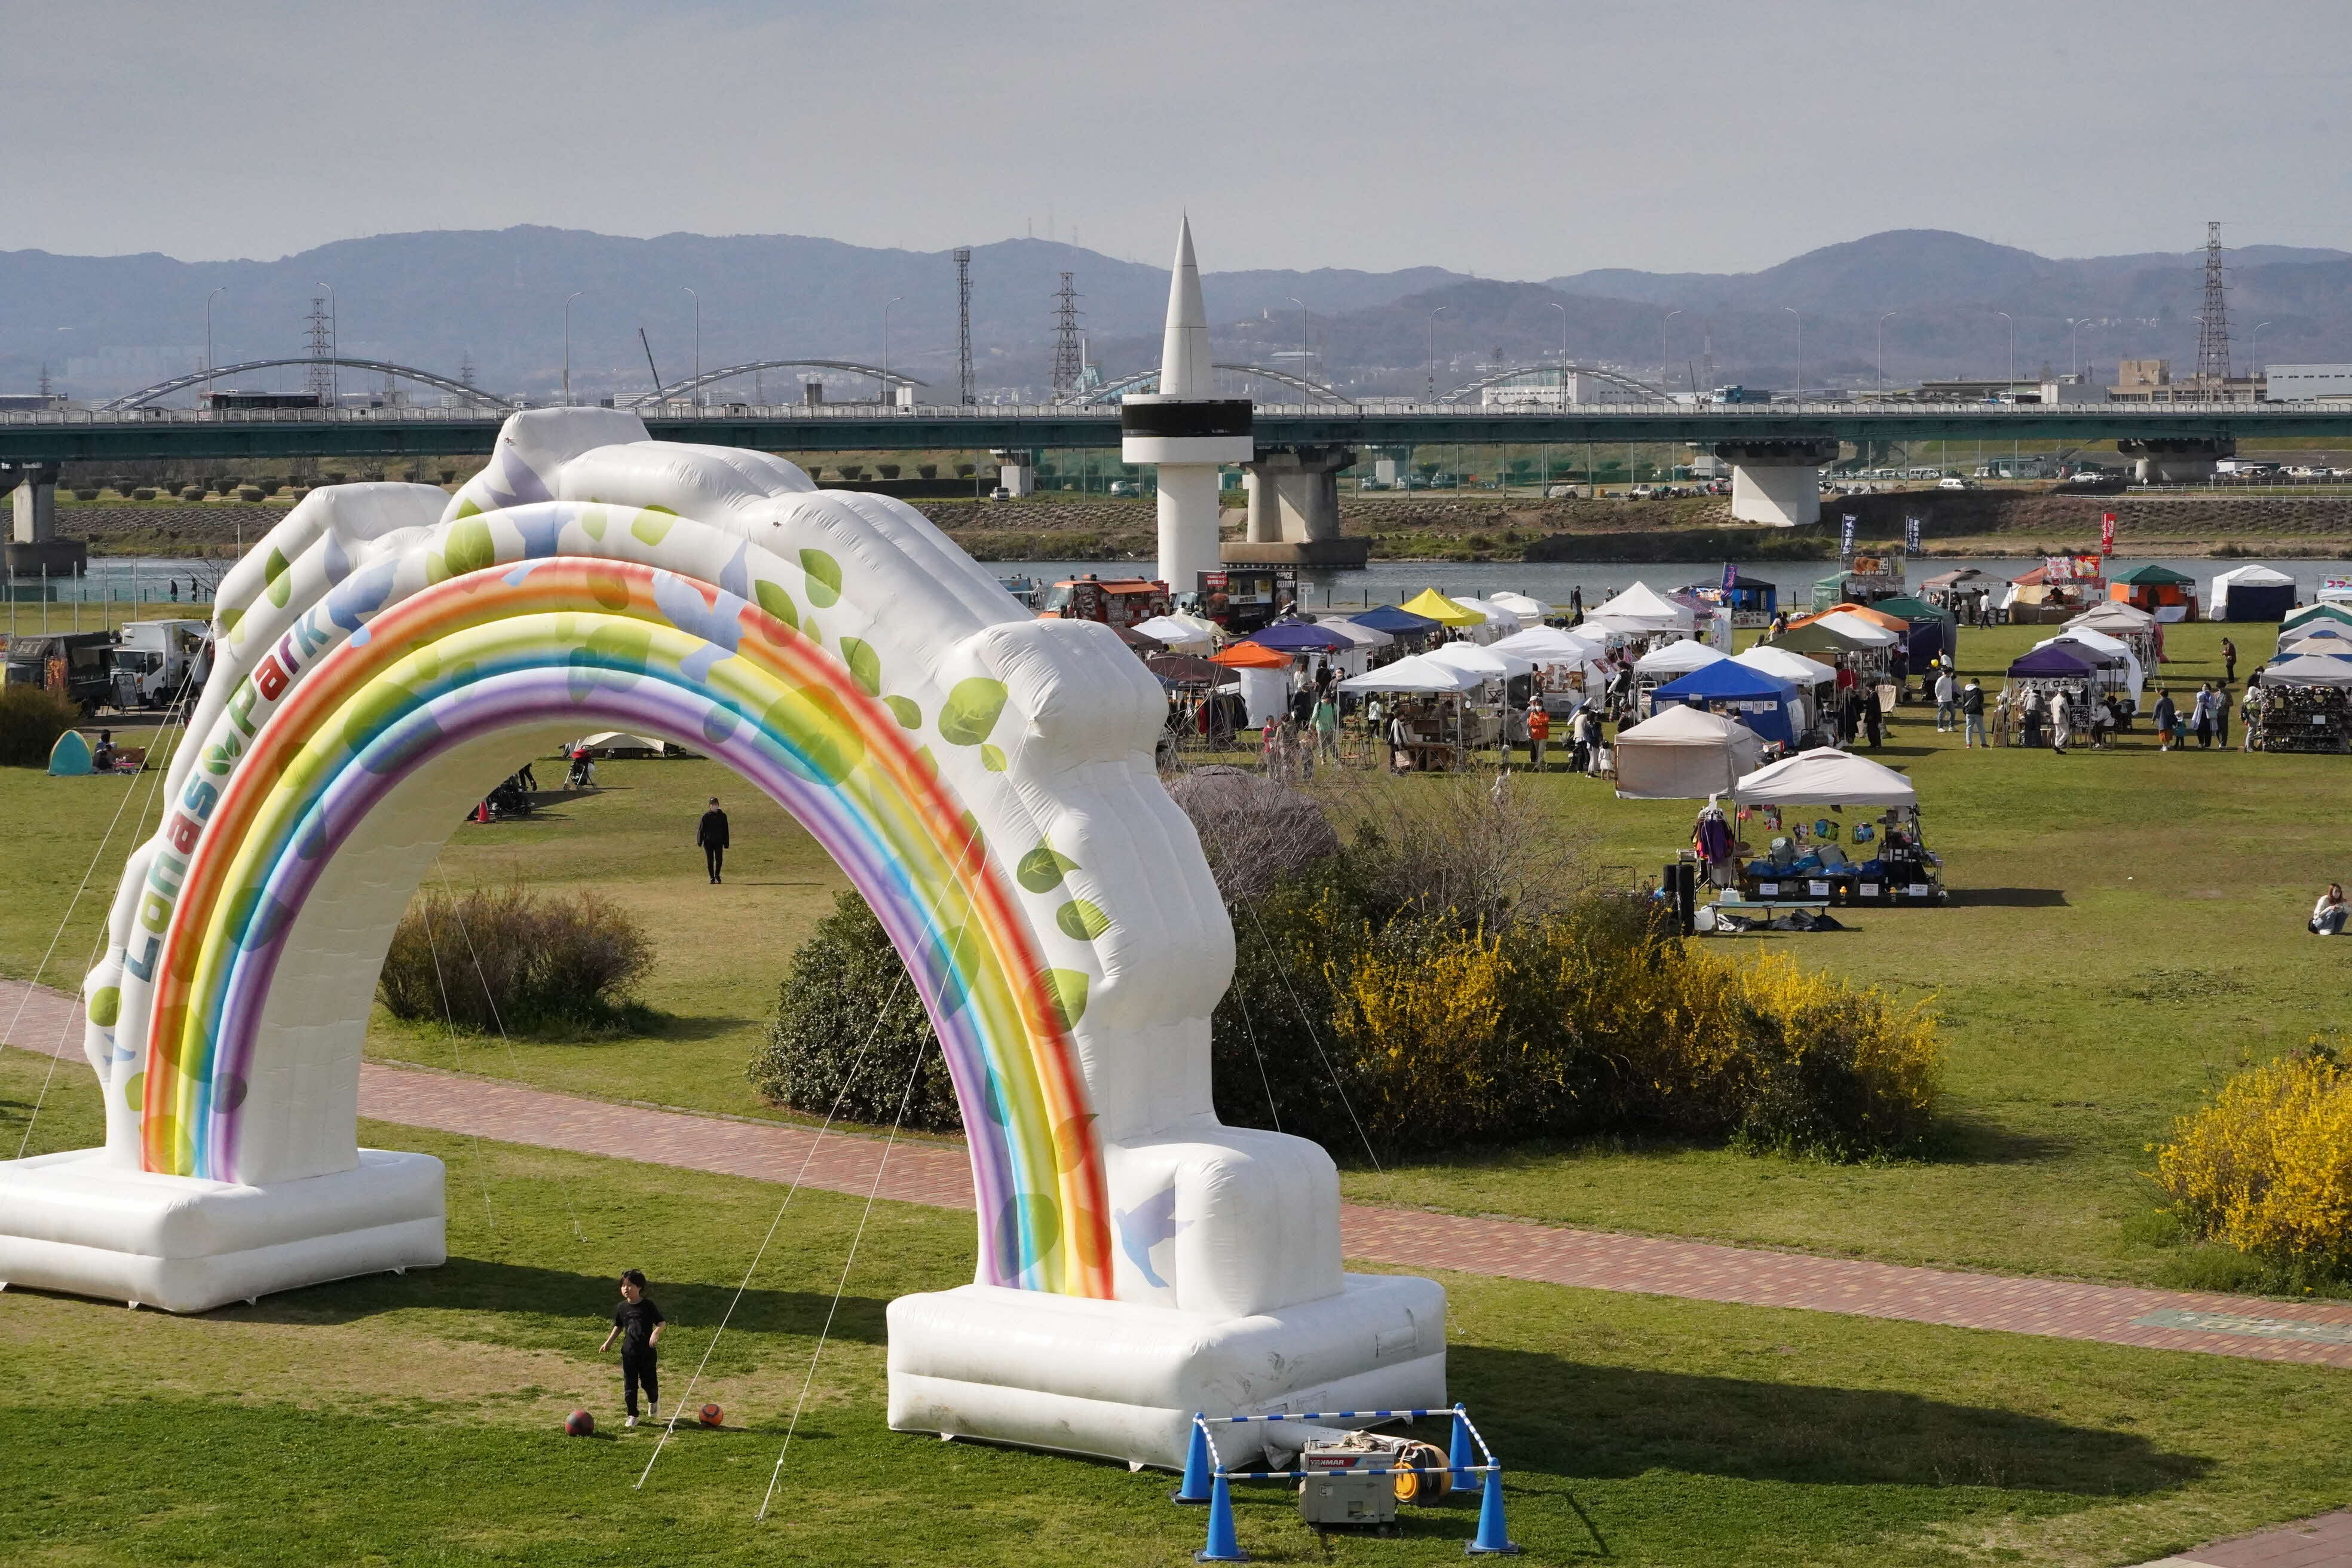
[[1947, 690]]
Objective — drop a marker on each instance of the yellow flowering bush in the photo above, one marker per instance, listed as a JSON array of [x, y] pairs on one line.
[[2266, 1167]]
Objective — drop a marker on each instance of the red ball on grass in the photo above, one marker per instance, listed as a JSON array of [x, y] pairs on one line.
[[711, 1415], [579, 1424]]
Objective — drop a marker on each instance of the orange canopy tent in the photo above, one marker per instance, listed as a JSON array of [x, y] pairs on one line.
[[1251, 655], [1876, 617]]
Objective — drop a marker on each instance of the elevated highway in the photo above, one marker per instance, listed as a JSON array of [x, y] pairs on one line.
[[1775, 448]]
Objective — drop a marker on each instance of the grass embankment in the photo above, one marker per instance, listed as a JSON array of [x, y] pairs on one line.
[[416, 1418], [2126, 928]]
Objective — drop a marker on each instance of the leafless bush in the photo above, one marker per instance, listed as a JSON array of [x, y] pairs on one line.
[[1482, 847], [1254, 831], [508, 957]]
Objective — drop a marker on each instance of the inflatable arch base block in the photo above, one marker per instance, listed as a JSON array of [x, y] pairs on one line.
[[76, 1222], [1121, 1381]]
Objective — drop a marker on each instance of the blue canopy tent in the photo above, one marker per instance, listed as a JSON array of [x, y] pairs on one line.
[[1396, 622], [1765, 704], [1298, 637], [2052, 663]]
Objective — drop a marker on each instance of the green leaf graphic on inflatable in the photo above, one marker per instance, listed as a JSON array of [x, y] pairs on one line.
[[629, 644], [993, 759], [824, 743], [909, 715], [273, 572], [468, 507], [592, 522], [652, 524], [1082, 920], [865, 663], [1035, 1213], [470, 547], [1042, 870], [106, 1006], [777, 603], [1066, 998], [230, 619], [972, 711], [823, 577], [134, 1091]]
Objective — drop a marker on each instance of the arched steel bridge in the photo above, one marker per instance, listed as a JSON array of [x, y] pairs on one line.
[[1112, 390], [692, 384], [1615, 378], [199, 377]]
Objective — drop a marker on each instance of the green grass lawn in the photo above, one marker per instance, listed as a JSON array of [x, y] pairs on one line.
[[2126, 928], [416, 1419]]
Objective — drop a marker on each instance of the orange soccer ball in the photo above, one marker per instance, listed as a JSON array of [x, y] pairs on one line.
[[711, 1415]]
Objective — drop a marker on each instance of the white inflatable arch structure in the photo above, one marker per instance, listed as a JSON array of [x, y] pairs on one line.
[[986, 780]]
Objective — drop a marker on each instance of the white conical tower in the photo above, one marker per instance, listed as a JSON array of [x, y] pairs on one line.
[[1185, 430]]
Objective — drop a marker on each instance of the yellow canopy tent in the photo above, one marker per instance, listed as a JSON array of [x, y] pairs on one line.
[[1438, 607]]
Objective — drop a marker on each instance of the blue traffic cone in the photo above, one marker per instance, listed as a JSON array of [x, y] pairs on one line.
[[1492, 1538], [1223, 1546], [1462, 1456], [1195, 1487]]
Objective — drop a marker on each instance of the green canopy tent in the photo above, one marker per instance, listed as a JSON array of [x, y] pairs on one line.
[[1934, 632], [2156, 588]]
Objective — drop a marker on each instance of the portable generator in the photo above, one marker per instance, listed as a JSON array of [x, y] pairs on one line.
[[1360, 1478]]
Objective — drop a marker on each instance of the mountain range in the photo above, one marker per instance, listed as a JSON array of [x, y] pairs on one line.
[[495, 301]]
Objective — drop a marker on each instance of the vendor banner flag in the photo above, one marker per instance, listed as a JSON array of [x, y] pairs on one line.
[[1730, 579], [1911, 534], [1845, 536], [2107, 534]]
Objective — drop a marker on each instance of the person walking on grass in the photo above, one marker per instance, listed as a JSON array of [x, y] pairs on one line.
[[1946, 691], [2201, 717], [2229, 661], [713, 836], [2061, 719], [2221, 717], [2167, 720], [1972, 714], [1539, 732], [639, 1322]]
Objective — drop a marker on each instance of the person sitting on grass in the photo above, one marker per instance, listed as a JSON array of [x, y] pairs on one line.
[[2327, 915], [639, 1323]]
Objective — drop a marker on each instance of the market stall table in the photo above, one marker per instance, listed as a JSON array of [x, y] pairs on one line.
[[1808, 861]]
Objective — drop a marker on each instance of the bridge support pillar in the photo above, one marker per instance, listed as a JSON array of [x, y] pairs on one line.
[[1016, 472], [34, 549], [1294, 508], [2177, 460], [1777, 483]]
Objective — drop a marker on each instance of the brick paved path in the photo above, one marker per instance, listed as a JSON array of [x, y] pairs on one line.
[[932, 1174], [2322, 1543]]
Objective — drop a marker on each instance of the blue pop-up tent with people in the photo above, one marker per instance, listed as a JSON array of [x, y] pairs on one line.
[[1765, 704]]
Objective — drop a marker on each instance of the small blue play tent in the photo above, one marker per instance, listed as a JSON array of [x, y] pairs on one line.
[[1765, 704]]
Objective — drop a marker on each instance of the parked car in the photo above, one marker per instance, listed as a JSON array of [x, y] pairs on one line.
[[1953, 482]]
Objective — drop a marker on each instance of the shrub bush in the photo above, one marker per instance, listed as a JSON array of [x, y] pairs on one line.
[[192, 492], [143, 492], [848, 1029], [250, 493], [853, 472], [86, 492], [271, 486], [966, 470], [509, 955], [31, 719], [2266, 1167], [928, 470], [888, 470]]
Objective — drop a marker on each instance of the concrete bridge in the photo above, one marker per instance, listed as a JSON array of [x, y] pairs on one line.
[[1776, 450]]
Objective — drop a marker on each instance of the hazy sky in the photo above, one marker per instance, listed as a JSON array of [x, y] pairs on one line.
[[1513, 140]]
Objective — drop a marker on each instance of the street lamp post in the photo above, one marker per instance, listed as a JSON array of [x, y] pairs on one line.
[[208, 344], [1797, 339], [1563, 352], [1430, 345], [2005, 316], [1882, 352], [1663, 374], [2074, 327], [698, 332], [888, 395], [567, 344], [2254, 345]]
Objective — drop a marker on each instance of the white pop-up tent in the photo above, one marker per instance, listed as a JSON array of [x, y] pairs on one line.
[[1551, 646], [1644, 609], [1180, 634], [1826, 777], [1855, 629], [2255, 593], [1486, 663], [1683, 753], [1678, 658], [1418, 675], [1528, 610], [1501, 620], [1788, 666], [2309, 670]]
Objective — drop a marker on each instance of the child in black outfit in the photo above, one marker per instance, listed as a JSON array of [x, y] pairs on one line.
[[639, 1323]]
